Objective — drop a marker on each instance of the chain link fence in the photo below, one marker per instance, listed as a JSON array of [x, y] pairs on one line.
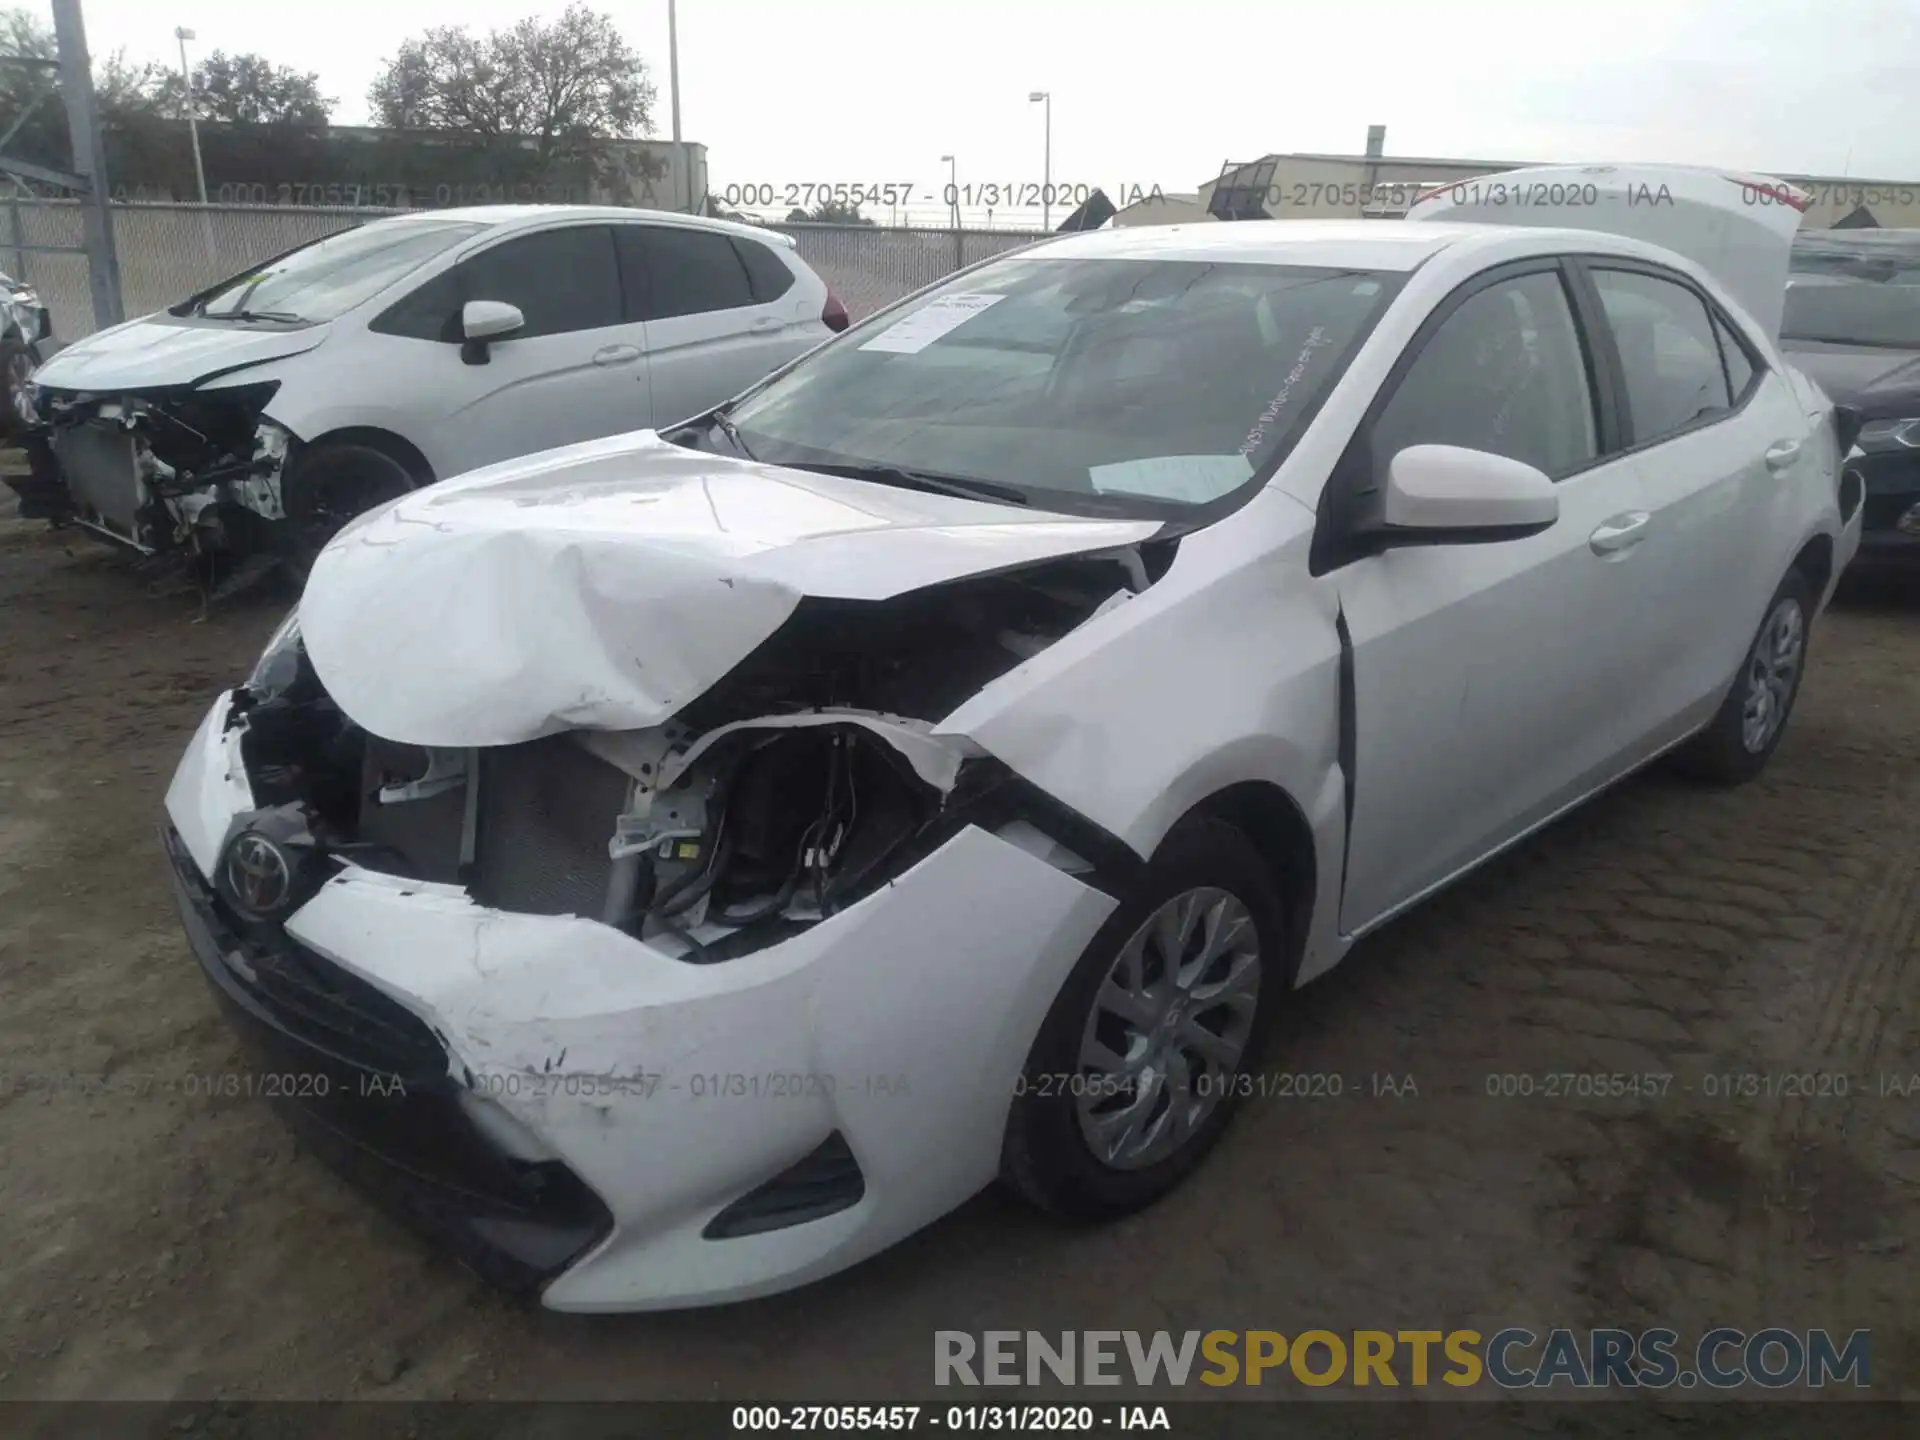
[[169, 251]]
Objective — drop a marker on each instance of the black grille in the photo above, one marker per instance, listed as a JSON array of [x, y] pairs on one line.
[[413, 1146], [825, 1182], [547, 811], [339, 1012], [312, 997]]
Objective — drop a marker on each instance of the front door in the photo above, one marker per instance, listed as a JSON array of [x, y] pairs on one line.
[[1493, 682], [577, 371]]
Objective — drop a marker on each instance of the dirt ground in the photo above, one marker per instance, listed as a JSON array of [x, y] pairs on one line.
[[154, 1245]]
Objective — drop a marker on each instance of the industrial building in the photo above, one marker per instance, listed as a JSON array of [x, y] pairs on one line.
[[1376, 185]]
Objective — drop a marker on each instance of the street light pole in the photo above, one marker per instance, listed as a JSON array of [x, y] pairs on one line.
[[182, 34], [953, 189], [673, 67], [1046, 179]]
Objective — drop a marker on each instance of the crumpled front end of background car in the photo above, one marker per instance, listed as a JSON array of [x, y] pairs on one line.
[[180, 469]]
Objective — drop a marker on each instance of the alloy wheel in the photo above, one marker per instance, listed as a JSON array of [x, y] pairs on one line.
[[1169, 1025], [20, 369], [1773, 669]]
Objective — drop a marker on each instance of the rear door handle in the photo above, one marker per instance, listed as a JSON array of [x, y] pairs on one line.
[[1781, 454], [616, 354], [1620, 532], [768, 322]]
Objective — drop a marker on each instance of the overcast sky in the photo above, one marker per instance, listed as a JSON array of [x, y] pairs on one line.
[[782, 92]]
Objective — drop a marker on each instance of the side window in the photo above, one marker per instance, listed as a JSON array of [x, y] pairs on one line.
[[1668, 354], [1503, 373], [686, 271], [561, 280], [1739, 366], [431, 312], [768, 278]]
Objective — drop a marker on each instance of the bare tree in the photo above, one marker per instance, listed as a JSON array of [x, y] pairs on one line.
[[124, 92]]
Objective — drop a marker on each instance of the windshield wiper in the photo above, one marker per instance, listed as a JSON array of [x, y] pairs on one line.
[[284, 316], [965, 486], [727, 428]]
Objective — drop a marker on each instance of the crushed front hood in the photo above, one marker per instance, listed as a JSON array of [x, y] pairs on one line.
[[606, 585], [161, 349]]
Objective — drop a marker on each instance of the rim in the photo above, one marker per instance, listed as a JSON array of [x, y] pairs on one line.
[[19, 373], [340, 499], [1773, 669], [1168, 1028]]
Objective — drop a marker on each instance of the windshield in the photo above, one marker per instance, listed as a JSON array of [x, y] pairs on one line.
[[327, 279], [1854, 295], [1100, 385]]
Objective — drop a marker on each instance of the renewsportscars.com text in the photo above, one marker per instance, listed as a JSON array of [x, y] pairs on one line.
[[1511, 1359]]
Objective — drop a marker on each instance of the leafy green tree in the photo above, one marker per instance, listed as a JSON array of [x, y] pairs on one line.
[[248, 89], [563, 84]]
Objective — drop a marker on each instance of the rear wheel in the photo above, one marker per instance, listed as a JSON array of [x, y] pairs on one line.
[[329, 484], [1134, 1074], [1752, 718]]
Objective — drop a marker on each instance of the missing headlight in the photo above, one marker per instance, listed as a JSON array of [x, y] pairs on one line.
[[773, 829]]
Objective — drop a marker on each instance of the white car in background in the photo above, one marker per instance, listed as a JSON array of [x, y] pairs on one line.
[[257, 416], [692, 862]]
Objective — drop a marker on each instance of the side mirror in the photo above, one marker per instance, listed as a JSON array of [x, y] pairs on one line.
[[484, 320], [1443, 494]]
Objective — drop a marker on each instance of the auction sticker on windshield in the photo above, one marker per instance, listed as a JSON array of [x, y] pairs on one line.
[[927, 324]]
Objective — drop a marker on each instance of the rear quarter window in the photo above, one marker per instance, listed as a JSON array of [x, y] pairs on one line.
[[767, 275], [1669, 355]]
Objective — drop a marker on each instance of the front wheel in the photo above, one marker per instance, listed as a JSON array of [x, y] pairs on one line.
[[331, 483], [1135, 1071], [1748, 727]]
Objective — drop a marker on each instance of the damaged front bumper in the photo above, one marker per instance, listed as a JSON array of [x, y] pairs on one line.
[[189, 471], [631, 1130]]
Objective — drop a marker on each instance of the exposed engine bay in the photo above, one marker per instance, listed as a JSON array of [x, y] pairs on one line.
[[185, 470], [802, 781]]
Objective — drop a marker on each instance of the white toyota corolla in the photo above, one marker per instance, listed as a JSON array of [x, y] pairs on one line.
[[675, 867]]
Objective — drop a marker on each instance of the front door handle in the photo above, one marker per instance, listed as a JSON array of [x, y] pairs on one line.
[[616, 354], [1620, 532], [1781, 454]]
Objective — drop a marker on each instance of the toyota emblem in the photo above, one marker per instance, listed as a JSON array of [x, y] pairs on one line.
[[258, 874]]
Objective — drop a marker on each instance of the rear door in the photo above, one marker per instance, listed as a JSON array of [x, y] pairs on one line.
[[1493, 683], [717, 315], [1720, 442]]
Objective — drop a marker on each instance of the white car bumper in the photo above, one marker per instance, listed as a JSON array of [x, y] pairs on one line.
[[671, 1090]]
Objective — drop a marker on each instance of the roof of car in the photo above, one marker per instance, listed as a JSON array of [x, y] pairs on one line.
[[533, 214], [1363, 244]]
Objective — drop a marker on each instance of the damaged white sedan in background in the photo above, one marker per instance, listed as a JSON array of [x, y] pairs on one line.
[[690, 863]]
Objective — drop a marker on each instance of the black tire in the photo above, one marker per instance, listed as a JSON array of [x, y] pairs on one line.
[[1046, 1157], [331, 482], [19, 358], [1723, 753]]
